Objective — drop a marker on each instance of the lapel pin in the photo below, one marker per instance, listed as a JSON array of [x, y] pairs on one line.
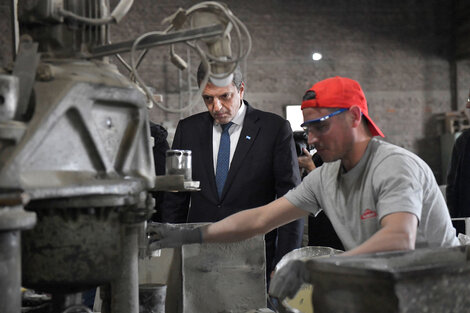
[[248, 137]]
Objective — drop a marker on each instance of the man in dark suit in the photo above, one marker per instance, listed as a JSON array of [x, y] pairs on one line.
[[263, 164]]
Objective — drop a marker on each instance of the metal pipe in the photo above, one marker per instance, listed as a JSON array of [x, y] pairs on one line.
[[158, 40], [10, 278], [15, 28], [13, 219], [125, 288], [121, 10]]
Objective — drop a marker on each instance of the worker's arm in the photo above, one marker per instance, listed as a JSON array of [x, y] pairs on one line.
[[398, 232], [237, 227], [248, 223]]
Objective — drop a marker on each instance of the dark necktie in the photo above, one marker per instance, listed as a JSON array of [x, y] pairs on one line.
[[223, 158]]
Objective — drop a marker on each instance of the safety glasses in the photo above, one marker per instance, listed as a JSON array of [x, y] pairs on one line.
[[320, 125]]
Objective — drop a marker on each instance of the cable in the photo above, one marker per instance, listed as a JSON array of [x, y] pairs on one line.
[[124, 63], [145, 89], [118, 13], [233, 22], [206, 57], [236, 24], [86, 20]]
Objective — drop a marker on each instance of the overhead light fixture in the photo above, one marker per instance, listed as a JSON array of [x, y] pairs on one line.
[[316, 56]]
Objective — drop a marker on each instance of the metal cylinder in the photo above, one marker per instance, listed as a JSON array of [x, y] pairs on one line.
[[13, 219], [152, 298], [178, 162], [124, 289], [10, 279]]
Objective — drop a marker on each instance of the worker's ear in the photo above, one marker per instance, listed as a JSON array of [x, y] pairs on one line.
[[356, 114]]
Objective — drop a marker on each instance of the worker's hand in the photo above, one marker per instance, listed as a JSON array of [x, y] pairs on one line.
[[305, 161], [288, 279], [171, 235]]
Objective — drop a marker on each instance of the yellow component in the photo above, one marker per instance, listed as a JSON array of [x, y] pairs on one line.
[[302, 300]]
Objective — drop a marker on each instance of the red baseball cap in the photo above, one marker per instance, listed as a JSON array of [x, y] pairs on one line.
[[340, 92]]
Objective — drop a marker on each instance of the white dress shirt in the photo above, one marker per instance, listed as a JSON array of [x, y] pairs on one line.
[[234, 132]]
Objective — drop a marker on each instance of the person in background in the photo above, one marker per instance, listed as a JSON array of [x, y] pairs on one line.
[[306, 162], [458, 178], [160, 146], [258, 165]]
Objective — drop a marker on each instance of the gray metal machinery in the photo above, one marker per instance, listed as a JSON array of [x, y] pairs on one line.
[[75, 149]]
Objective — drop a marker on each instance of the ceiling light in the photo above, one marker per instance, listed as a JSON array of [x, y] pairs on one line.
[[316, 56]]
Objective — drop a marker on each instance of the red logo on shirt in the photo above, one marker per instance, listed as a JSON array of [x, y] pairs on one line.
[[368, 214]]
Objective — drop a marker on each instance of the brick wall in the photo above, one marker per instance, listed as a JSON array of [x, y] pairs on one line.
[[398, 50]]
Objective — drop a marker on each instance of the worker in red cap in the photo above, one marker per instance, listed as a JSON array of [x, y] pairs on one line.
[[378, 196]]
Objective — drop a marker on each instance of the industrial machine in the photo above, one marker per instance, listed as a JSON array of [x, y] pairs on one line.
[[76, 164], [421, 280]]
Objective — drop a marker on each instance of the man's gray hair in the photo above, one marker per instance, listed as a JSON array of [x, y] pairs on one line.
[[237, 76]]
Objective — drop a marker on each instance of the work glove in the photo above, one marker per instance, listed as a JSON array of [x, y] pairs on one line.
[[171, 235], [288, 279]]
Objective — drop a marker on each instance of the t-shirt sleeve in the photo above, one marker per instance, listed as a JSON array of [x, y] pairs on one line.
[[399, 186], [304, 195]]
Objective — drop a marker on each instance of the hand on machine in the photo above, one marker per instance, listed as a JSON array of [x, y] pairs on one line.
[[171, 236], [288, 279]]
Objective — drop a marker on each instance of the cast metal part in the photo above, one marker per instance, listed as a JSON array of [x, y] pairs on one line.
[[430, 280], [70, 148], [9, 93], [85, 160]]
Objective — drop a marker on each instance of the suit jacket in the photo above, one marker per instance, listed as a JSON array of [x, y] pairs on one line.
[[263, 168], [458, 179]]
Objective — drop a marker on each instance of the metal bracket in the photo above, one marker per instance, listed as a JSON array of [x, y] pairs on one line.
[[158, 40]]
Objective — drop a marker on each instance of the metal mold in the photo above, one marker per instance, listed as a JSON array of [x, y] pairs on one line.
[[423, 280], [224, 277]]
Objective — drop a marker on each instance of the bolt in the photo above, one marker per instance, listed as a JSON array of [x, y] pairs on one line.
[[109, 122]]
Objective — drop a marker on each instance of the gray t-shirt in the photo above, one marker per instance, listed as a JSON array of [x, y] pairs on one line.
[[386, 180]]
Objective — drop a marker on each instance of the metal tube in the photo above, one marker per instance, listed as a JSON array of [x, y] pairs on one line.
[[15, 28], [125, 288], [158, 40], [12, 219], [121, 9], [10, 276]]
